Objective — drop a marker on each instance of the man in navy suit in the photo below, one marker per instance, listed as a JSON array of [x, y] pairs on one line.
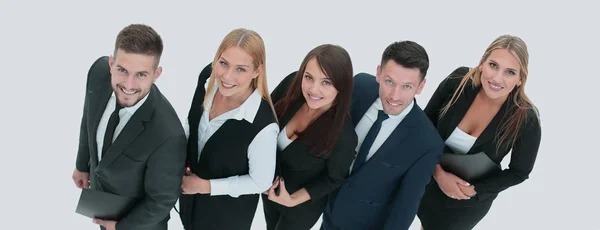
[[398, 146]]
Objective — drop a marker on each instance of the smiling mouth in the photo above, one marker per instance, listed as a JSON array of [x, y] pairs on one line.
[[495, 87], [128, 92], [227, 86], [394, 104], [314, 98]]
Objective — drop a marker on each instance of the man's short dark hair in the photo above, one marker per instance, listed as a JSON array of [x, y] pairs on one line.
[[408, 54], [140, 39]]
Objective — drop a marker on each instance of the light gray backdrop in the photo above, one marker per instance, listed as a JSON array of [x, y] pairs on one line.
[[47, 47]]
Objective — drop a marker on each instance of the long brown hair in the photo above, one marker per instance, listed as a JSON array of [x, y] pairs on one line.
[[252, 43], [522, 106], [322, 134]]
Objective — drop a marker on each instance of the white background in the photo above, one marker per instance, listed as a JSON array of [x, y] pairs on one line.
[[47, 47]]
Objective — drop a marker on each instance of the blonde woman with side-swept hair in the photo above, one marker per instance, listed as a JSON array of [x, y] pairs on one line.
[[482, 110], [253, 45], [232, 138]]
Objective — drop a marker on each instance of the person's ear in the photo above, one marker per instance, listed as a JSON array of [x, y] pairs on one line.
[[157, 73]]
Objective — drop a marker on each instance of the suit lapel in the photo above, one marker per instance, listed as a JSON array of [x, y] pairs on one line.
[[360, 109], [458, 112], [100, 96], [132, 129], [397, 137], [489, 133], [362, 98], [285, 119]]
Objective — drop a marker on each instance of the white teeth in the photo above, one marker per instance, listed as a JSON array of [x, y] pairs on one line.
[[393, 104], [494, 86], [314, 98], [127, 91], [227, 85]]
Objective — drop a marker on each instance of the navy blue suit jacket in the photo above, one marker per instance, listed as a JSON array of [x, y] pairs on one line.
[[386, 191]]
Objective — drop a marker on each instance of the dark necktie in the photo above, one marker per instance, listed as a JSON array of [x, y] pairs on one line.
[[361, 157], [110, 128]]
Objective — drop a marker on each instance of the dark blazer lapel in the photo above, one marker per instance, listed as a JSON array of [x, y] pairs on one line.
[[399, 134], [490, 131], [99, 97], [360, 108], [132, 129], [284, 121], [458, 111], [397, 137], [362, 98]]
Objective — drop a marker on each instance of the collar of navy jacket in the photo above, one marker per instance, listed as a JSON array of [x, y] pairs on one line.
[[366, 91]]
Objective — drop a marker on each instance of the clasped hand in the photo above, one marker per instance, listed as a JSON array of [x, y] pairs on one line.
[[284, 198], [454, 187], [192, 184]]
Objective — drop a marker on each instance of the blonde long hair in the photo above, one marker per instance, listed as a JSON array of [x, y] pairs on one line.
[[519, 113], [252, 43]]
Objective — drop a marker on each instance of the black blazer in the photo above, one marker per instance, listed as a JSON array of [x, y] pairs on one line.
[[525, 149], [301, 168], [385, 192], [147, 159]]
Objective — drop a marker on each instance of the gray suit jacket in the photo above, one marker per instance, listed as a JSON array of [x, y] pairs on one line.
[[146, 161]]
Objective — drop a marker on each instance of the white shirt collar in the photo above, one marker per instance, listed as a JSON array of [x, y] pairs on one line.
[[246, 110], [132, 109], [379, 106]]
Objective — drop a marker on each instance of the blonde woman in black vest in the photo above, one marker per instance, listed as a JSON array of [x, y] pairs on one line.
[[232, 138], [482, 109]]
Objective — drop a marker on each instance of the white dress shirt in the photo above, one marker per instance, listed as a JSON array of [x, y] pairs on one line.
[[387, 126], [261, 151], [124, 116], [460, 142], [282, 140]]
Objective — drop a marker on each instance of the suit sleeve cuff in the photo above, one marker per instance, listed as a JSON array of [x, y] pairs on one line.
[[315, 191], [82, 167]]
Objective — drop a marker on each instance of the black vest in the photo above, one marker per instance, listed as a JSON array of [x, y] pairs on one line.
[[225, 154]]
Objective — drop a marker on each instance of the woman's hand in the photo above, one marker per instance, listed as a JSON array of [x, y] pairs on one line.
[[453, 186], [192, 184], [468, 190], [273, 186], [284, 198]]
